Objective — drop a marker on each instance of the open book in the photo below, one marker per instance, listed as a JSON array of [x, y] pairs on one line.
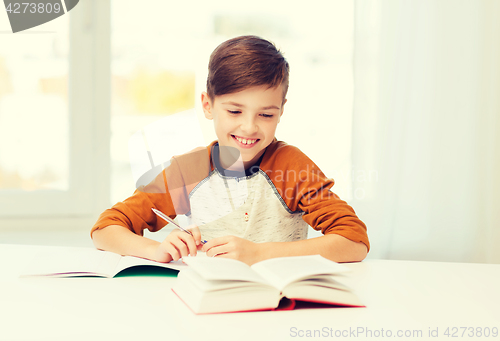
[[217, 285], [78, 262]]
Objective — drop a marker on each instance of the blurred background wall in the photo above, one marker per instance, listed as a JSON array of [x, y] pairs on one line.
[[426, 121]]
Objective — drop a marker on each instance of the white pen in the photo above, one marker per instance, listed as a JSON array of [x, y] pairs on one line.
[[169, 220]]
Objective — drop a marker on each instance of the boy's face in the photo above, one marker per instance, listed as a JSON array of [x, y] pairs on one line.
[[246, 120]]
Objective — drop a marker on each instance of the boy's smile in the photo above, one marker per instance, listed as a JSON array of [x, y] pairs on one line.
[[246, 120], [244, 142]]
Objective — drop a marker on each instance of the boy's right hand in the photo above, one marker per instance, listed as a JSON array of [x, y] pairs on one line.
[[179, 244]]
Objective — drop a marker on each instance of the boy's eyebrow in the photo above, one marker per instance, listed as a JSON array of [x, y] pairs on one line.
[[242, 106]]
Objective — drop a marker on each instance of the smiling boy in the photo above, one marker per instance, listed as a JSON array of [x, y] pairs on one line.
[[246, 120], [249, 195]]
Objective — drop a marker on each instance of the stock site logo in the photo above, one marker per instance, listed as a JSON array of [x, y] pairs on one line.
[[25, 14]]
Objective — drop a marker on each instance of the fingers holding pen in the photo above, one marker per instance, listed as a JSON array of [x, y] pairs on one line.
[[176, 245], [195, 232]]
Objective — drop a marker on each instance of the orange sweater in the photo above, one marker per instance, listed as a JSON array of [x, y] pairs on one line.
[[271, 201]]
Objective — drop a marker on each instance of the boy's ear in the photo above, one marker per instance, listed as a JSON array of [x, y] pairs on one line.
[[282, 109], [206, 104]]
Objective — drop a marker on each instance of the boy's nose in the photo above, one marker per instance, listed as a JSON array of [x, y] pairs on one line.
[[249, 126]]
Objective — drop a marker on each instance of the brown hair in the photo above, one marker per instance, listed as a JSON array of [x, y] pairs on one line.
[[244, 62]]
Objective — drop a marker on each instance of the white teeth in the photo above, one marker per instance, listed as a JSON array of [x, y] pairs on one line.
[[245, 141]]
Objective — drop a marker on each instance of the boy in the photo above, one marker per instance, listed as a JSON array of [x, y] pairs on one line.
[[249, 195]]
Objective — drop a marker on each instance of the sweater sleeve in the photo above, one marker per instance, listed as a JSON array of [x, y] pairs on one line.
[[135, 212], [305, 188], [168, 192]]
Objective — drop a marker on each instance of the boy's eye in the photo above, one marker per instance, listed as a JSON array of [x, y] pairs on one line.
[[266, 115], [234, 111]]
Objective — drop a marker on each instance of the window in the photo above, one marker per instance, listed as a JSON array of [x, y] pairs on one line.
[[54, 119]]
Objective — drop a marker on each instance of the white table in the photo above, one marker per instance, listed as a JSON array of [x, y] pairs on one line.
[[401, 297]]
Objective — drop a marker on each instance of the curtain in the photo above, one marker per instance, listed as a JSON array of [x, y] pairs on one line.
[[426, 120]]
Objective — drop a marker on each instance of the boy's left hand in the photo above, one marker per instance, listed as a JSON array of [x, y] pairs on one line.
[[235, 248]]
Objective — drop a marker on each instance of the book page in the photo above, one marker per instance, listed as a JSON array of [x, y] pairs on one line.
[[285, 270], [322, 294], [218, 285], [66, 262], [214, 296], [130, 261], [211, 268]]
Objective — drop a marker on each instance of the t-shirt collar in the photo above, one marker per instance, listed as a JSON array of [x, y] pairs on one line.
[[233, 173]]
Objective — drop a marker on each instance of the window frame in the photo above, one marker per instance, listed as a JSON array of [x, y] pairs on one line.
[[89, 138]]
